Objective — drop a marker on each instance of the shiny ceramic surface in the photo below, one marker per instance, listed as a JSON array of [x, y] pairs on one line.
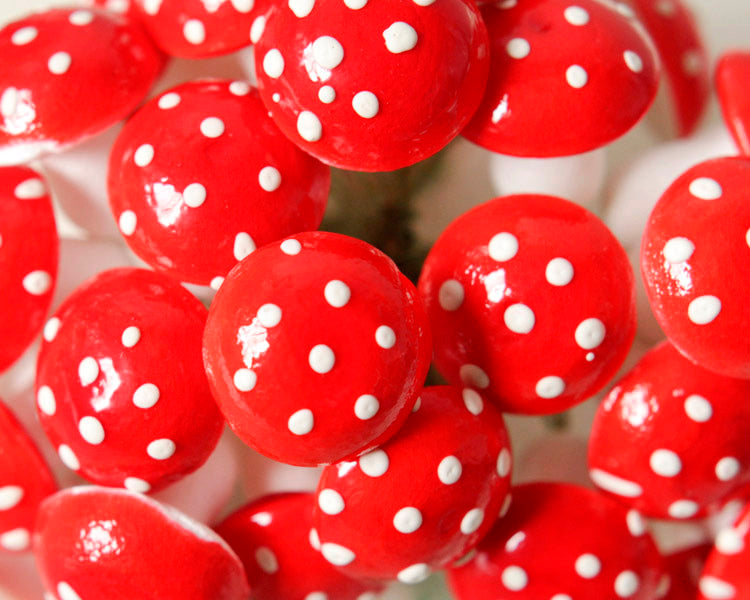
[[725, 575]]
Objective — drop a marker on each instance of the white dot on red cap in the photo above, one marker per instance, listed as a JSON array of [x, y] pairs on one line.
[[194, 31], [561, 597], [665, 463], [30, 189], [152, 7], [68, 457], [269, 315], [331, 502], [312, 537], [727, 468], [309, 127], [37, 283], [161, 449], [729, 541], [503, 246], [239, 88], [635, 522], [519, 318], [91, 430], [588, 566], [575, 15], [169, 100], [627, 584], [194, 195], [474, 376], [291, 247], [385, 337], [518, 48], [365, 104], [747, 237], [678, 250], [66, 592], [269, 178], [550, 387], [146, 396], [301, 422], [59, 63], [704, 309], [130, 336], [614, 484], [88, 371], [705, 188], [407, 520], [216, 282], [81, 17], [590, 333], [473, 401], [714, 588], [666, 8], [316, 596], [244, 245], [273, 63], [503, 463], [692, 62], [374, 464], [698, 408], [633, 61], [301, 8], [328, 52], [449, 470], [143, 155], [257, 29], [243, 6], [514, 578], [326, 94], [366, 407], [135, 484], [51, 328], [400, 37], [10, 496], [414, 573], [506, 506], [337, 293], [266, 560], [321, 359], [24, 36], [451, 295], [576, 76], [212, 127], [559, 272], [337, 555], [16, 540], [127, 222], [244, 379], [45, 400], [355, 4], [682, 509], [9, 102], [472, 521]]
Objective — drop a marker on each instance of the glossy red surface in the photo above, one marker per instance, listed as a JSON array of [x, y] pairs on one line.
[[25, 480], [695, 257], [201, 176], [280, 550], [684, 569], [561, 541], [670, 439], [28, 270], [531, 299], [732, 75], [725, 575], [564, 79], [67, 74], [93, 541], [316, 348], [120, 387], [423, 499], [372, 86]]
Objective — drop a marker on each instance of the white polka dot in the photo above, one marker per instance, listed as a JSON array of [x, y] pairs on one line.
[[10, 496], [385, 337], [400, 37], [337, 555], [321, 359], [316, 596], [24, 36], [31, 189], [518, 48], [374, 464], [257, 29], [550, 387], [451, 295], [301, 8], [326, 94], [309, 127], [474, 376], [244, 246], [576, 76], [137, 485], [127, 222], [312, 537], [266, 560], [473, 401], [472, 521], [337, 293], [727, 468], [91, 430], [291, 247], [514, 578], [169, 100], [729, 541], [678, 250], [239, 88], [66, 592], [269, 178], [666, 8], [506, 506], [301, 422], [415, 573], [635, 522], [575, 15], [59, 63], [683, 509], [355, 4], [590, 333], [216, 282], [45, 400], [588, 566], [614, 484], [365, 104], [130, 336], [269, 315], [68, 457], [417, 405], [9, 102], [194, 195], [194, 32], [88, 371], [561, 597], [449, 470], [665, 463], [705, 188], [633, 61], [559, 272], [81, 18], [37, 283], [244, 379], [161, 449], [366, 407], [698, 408], [16, 540], [704, 309], [328, 52], [747, 237], [423, 2], [627, 584], [714, 588], [243, 6], [503, 246], [273, 63], [407, 520], [143, 155], [503, 463], [519, 318], [146, 396], [212, 127]]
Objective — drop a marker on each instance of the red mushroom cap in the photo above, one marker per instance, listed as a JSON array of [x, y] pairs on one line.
[[725, 575], [732, 75]]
